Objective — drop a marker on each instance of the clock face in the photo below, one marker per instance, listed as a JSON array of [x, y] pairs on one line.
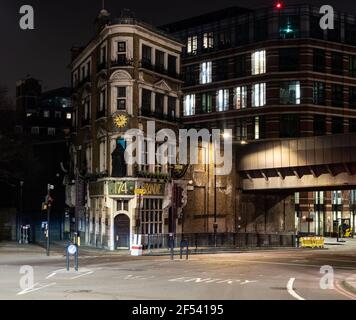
[[121, 121]]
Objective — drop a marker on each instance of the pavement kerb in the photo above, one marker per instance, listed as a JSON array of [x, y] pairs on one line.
[[348, 286]]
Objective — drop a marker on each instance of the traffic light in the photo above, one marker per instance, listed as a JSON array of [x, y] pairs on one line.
[[179, 196], [279, 5]]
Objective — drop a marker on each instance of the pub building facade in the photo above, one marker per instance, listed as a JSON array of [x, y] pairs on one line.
[[126, 75]]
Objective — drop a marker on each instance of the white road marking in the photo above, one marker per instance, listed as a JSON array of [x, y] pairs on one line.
[[248, 281], [26, 291], [82, 275], [54, 273], [291, 290], [211, 280]]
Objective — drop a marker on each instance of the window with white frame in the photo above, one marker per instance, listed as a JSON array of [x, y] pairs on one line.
[[208, 40], [258, 62], [259, 95], [121, 52], [152, 216], [102, 154], [222, 100], [206, 72], [46, 114], [88, 158], [257, 128], [189, 105], [240, 97], [51, 131], [102, 99], [161, 159], [144, 166], [192, 44], [121, 98]]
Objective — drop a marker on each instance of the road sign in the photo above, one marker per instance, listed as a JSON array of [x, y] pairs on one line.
[[72, 249]]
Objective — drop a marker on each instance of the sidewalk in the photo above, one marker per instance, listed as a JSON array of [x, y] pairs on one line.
[[345, 242], [88, 250], [350, 284]]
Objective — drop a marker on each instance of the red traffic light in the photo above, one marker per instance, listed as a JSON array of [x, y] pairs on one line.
[[279, 5]]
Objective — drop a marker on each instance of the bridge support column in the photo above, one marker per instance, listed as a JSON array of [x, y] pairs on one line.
[[267, 212]]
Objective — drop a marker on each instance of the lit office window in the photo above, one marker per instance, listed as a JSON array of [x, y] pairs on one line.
[[240, 97], [290, 92], [192, 44], [46, 114], [207, 102], [189, 105], [69, 116], [206, 72], [259, 95], [222, 100], [258, 62], [208, 40], [257, 128], [241, 130]]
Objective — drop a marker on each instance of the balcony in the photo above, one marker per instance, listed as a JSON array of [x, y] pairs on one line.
[[122, 62], [146, 64]]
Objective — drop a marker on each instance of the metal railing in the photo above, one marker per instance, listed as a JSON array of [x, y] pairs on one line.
[[235, 240]]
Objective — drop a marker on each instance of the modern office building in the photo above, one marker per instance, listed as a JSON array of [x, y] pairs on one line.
[[275, 78], [42, 132]]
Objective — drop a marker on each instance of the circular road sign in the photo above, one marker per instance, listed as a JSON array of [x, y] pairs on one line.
[[72, 249]]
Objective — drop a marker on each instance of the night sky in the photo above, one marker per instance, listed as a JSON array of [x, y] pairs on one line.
[[59, 24]]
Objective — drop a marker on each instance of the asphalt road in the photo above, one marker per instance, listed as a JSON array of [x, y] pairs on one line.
[[282, 275]]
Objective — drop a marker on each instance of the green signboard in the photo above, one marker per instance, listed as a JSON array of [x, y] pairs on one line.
[[127, 188], [121, 188]]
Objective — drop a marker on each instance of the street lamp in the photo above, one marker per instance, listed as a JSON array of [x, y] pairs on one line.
[[49, 204], [225, 136], [20, 213]]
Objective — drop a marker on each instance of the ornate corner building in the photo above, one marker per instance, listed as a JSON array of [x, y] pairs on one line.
[[127, 75]]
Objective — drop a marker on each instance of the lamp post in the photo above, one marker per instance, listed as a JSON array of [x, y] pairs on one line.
[[20, 212], [225, 136], [49, 204], [215, 202]]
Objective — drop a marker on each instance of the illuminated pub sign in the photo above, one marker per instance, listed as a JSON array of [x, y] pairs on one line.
[[127, 188]]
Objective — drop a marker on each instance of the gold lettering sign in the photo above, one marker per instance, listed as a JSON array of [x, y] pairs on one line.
[[121, 188]]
